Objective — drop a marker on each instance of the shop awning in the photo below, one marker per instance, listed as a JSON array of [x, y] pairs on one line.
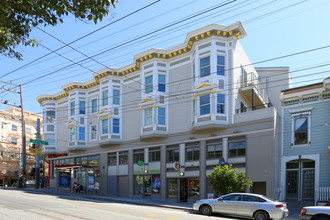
[[74, 167]]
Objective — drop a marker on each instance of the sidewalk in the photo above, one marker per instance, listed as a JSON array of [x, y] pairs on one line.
[[149, 202]]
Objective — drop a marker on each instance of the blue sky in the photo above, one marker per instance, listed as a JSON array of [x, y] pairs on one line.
[[275, 28]]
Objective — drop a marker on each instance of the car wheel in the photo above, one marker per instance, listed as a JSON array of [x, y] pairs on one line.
[[322, 217], [206, 210], [260, 215]]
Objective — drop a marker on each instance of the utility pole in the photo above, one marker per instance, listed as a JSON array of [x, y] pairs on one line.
[[37, 167], [7, 102]]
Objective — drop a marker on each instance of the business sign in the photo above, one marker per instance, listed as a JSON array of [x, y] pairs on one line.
[[140, 163], [176, 166]]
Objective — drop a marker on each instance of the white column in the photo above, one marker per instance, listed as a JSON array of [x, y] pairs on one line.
[[225, 149]]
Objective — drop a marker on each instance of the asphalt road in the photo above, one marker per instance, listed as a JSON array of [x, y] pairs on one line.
[[15, 204]]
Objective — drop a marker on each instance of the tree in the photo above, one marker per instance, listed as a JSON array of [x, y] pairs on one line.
[[225, 179], [18, 17]]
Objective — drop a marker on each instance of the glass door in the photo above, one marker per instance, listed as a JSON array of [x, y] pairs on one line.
[[147, 185], [292, 179], [183, 190]]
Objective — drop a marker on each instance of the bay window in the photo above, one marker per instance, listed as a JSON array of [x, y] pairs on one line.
[[205, 67], [82, 135], [72, 134], [204, 103], [82, 107], [105, 95], [148, 84], [220, 65], [220, 103], [115, 125], [116, 97], [72, 108], [161, 116], [94, 105], [105, 126], [148, 117], [161, 83], [93, 132]]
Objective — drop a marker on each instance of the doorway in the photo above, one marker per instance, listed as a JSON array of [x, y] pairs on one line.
[[184, 190], [300, 179]]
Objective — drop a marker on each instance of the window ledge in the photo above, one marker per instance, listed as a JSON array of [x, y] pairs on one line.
[[300, 145]]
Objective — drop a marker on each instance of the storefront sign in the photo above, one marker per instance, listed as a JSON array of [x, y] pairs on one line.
[[176, 166], [210, 195], [140, 163], [57, 155]]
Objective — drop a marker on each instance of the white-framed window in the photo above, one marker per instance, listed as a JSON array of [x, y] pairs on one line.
[[162, 83], [72, 108], [14, 140], [148, 84], [161, 116], [94, 105], [50, 138], [204, 104], [50, 116], [301, 133], [105, 97], [82, 107], [105, 126], [148, 117], [13, 127], [28, 130], [72, 134], [221, 101], [82, 134], [93, 132], [220, 65], [116, 97], [205, 66], [115, 126]]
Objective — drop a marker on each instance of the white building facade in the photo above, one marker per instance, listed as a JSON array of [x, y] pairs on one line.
[[157, 127]]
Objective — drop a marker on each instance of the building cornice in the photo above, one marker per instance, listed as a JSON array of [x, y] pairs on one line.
[[235, 30]]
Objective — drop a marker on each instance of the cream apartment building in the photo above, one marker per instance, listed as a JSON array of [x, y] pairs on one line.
[[157, 127]]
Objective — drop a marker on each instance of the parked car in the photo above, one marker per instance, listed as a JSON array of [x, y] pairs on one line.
[[245, 205], [315, 213]]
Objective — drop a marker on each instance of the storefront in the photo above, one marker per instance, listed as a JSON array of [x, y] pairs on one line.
[[183, 189]]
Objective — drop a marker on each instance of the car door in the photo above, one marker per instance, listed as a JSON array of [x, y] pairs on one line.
[[227, 204], [246, 205]]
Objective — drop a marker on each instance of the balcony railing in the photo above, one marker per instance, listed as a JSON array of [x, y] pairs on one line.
[[252, 108], [251, 80]]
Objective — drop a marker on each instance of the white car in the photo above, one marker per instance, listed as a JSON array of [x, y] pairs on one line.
[[315, 213], [243, 204]]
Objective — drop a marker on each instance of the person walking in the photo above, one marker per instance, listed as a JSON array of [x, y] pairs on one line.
[[97, 187]]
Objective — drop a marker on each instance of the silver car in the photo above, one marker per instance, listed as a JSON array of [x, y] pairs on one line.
[[315, 213], [243, 204]]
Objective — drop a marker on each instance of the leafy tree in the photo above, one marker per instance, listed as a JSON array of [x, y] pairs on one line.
[[225, 179], [18, 17]]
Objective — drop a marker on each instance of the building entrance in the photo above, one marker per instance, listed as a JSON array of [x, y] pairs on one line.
[[183, 190], [300, 178]]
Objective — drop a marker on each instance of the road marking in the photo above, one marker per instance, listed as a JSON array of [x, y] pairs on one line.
[[151, 215], [172, 218], [95, 206], [43, 214], [76, 203], [2, 205]]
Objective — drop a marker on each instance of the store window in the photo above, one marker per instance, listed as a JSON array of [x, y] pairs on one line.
[[123, 158], [193, 188], [237, 147], [112, 159], [172, 188], [139, 185], [92, 161]]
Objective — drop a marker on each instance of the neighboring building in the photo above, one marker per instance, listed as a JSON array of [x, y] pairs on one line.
[[11, 143], [306, 141], [157, 127]]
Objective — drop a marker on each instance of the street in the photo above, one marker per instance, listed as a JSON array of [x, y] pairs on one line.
[[15, 204]]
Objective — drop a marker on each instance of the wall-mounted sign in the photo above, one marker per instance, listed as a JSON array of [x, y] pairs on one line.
[[176, 166], [140, 163]]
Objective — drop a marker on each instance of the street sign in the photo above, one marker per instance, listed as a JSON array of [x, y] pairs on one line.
[[38, 142], [38, 151]]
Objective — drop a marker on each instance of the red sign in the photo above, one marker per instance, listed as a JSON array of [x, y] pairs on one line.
[[57, 155], [176, 165]]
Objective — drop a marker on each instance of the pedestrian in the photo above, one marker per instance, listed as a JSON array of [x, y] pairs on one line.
[[97, 187]]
